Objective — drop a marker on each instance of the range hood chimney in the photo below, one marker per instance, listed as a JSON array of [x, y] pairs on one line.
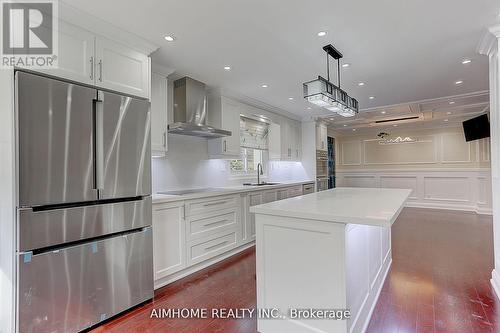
[[190, 110]]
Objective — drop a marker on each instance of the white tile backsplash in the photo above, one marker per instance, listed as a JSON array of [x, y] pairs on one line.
[[187, 166]]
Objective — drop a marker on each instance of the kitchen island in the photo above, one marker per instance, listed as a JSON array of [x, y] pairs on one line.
[[325, 250]]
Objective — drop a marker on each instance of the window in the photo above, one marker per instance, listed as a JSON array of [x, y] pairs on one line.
[[253, 144], [247, 165]]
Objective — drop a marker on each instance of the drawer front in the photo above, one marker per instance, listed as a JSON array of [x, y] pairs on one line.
[[255, 199], [307, 188], [207, 248], [203, 206], [71, 289], [269, 196], [282, 194], [218, 221], [294, 191], [39, 229]]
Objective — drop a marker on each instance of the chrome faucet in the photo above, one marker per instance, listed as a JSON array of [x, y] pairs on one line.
[[260, 172]]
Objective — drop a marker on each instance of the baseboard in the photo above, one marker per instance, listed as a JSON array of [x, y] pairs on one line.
[[495, 282], [435, 205], [162, 282]]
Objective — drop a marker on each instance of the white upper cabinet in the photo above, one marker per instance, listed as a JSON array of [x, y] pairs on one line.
[[75, 54], [291, 140], [121, 69], [88, 58], [159, 121], [224, 113], [274, 143], [321, 137]]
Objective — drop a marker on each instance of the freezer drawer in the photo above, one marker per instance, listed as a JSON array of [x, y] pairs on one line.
[[76, 287], [39, 229]]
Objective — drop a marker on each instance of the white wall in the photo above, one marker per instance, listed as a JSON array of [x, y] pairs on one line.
[[443, 170]]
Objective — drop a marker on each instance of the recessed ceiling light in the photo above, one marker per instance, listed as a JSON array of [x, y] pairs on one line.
[[345, 125], [446, 120], [448, 113], [346, 65], [383, 112], [354, 130], [451, 103], [227, 68], [459, 82], [466, 61], [290, 98], [321, 33], [264, 86], [371, 97], [361, 84], [309, 108], [395, 125], [169, 38]]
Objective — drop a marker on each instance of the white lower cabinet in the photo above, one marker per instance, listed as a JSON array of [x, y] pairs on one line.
[[294, 191], [189, 235], [169, 238], [282, 194]]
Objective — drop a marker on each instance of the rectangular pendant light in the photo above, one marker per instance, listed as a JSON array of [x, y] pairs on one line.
[[323, 93]]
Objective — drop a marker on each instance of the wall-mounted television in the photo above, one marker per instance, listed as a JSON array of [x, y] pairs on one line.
[[477, 128]]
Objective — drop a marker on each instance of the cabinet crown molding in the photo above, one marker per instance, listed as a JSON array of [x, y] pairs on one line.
[[490, 37], [96, 25]]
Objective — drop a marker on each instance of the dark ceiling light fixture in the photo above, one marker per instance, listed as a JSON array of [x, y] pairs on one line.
[[323, 93]]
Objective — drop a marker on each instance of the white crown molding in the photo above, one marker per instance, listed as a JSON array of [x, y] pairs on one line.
[[98, 26], [487, 42], [162, 70]]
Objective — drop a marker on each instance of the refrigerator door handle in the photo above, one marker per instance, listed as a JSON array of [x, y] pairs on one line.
[[98, 144]]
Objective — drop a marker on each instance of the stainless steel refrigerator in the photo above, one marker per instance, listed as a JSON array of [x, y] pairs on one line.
[[84, 242]]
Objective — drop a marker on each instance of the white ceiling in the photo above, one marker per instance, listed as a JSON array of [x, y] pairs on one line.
[[404, 50], [435, 113]]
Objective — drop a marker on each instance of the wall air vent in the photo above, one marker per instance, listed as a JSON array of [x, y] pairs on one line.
[[395, 119]]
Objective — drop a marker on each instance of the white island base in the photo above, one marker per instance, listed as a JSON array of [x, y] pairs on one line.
[[309, 256]]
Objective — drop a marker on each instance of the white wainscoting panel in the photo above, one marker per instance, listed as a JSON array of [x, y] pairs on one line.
[[453, 148], [351, 153], [360, 181], [447, 188], [457, 189], [401, 182]]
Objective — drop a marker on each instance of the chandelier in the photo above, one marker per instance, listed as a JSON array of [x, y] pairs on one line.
[[325, 94]]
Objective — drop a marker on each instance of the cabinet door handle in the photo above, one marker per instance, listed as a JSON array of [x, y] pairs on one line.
[[92, 68], [165, 139], [224, 145], [100, 70]]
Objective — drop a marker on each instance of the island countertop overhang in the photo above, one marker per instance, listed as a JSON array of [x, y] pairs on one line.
[[366, 206]]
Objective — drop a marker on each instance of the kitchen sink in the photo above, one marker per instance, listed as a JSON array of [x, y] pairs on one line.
[[260, 184]]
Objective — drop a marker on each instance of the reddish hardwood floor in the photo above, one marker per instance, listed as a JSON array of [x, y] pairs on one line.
[[439, 282]]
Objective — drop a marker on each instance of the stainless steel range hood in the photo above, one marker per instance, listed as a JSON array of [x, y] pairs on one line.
[[190, 110]]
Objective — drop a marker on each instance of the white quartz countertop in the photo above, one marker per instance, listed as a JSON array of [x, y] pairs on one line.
[[369, 206], [163, 198]]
